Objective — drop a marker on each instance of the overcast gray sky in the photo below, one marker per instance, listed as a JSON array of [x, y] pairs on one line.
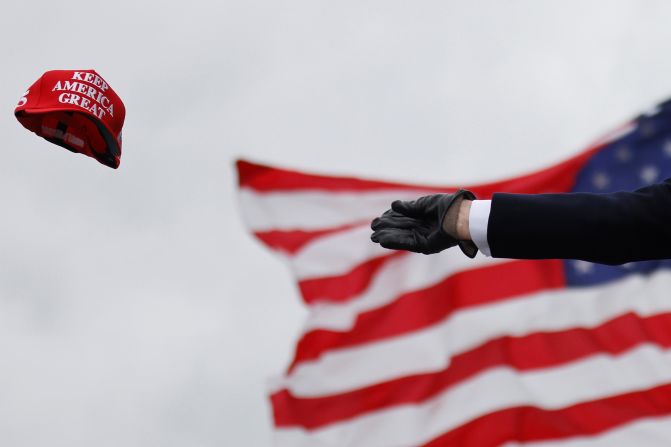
[[131, 310]]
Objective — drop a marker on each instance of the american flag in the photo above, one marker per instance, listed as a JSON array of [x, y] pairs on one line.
[[402, 349]]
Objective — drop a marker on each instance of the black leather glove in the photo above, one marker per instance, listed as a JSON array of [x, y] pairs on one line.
[[418, 225]]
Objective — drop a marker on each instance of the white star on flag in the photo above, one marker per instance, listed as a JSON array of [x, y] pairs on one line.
[[647, 129], [667, 148], [623, 154], [583, 267], [600, 180], [649, 174]]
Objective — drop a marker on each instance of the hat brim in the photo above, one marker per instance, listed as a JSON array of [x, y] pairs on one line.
[[109, 156]]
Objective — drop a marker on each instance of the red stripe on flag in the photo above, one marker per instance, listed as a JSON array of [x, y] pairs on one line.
[[526, 424], [267, 179], [523, 353], [557, 178], [422, 308], [291, 241], [344, 287]]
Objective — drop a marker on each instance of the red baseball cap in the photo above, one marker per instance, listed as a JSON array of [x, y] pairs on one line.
[[75, 109]]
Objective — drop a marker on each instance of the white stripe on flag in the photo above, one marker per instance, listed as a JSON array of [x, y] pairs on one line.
[[336, 254], [313, 210]]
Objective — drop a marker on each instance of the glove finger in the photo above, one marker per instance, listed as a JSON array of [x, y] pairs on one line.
[[414, 208], [387, 213], [406, 207], [397, 239], [419, 232], [391, 213], [396, 222]]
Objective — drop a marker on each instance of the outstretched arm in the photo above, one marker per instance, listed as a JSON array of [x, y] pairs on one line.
[[610, 228]]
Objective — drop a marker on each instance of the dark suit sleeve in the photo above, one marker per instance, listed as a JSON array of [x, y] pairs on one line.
[[610, 228]]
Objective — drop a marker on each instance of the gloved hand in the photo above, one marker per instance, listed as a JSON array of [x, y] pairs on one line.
[[420, 225]]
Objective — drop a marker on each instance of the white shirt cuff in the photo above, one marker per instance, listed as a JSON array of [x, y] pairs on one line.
[[477, 224]]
